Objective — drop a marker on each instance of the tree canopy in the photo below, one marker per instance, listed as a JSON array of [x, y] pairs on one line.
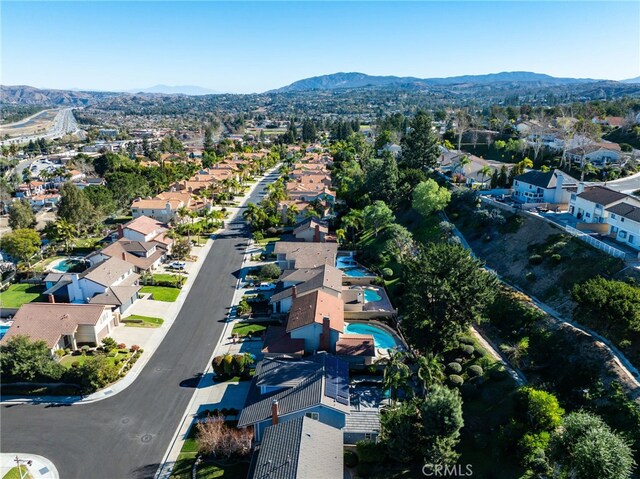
[[446, 290], [420, 146], [21, 215], [428, 197]]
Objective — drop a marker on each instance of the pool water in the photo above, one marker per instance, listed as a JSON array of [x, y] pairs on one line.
[[356, 272], [3, 330], [371, 295], [381, 338], [66, 265]]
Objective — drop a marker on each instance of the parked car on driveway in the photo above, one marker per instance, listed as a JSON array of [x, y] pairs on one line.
[[266, 286], [177, 265]]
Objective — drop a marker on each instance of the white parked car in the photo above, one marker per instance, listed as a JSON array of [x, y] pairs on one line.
[[266, 286], [177, 265]]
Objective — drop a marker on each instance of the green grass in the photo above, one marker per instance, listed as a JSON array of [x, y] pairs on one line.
[[14, 473], [162, 293], [137, 321], [68, 360], [44, 264], [184, 463], [18, 294], [243, 328], [214, 471]]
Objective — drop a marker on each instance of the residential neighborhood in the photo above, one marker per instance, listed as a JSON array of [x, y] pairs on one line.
[[383, 252]]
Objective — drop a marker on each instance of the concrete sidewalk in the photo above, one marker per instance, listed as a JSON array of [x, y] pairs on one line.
[[40, 468]]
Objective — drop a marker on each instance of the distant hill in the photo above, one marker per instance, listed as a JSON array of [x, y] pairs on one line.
[[360, 80], [631, 80], [177, 90], [28, 95]]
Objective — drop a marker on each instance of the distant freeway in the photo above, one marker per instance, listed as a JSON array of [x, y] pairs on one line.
[[63, 124]]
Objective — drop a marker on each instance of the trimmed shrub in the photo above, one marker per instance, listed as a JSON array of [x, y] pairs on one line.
[[75, 364], [454, 368], [455, 380], [60, 352], [475, 371], [270, 271], [109, 343], [556, 258], [467, 349], [466, 340], [122, 346], [134, 348], [350, 459], [535, 259], [218, 367], [387, 272]]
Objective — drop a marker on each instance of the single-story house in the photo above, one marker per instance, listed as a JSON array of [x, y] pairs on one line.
[[62, 326], [285, 390], [301, 448]]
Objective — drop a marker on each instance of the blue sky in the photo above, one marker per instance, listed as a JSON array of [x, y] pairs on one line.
[[255, 46]]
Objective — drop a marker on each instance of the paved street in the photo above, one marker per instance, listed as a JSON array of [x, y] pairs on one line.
[[127, 435]]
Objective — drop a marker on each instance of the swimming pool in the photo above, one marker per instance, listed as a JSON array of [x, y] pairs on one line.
[[3, 330], [371, 295], [355, 272], [66, 264], [381, 338]]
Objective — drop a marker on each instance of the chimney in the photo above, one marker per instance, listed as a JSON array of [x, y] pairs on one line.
[[580, 187], [120, 231], [325, 339], [124, 256], [316, 234], [294, 292], [275, 411], [51, 299]]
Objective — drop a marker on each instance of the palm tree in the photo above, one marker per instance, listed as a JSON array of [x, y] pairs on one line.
[[516, 352], [485, 171], [396, 374], [353, 221], [462, 163], [340, 235], [429, 370], [586, 169], [65, 232], [182, 213]]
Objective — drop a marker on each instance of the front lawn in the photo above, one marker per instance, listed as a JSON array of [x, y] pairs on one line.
[[137, 321], [14, 473], [243, 328], [212, 471], [18, 294], [68, 360], [162, 293]]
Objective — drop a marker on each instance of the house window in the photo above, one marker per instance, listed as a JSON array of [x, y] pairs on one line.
[[573, 196], [622, 234], [587, 215], [613, 217], [614, 229], [313, 415], [631, 239], [621, 220], [368, 436]]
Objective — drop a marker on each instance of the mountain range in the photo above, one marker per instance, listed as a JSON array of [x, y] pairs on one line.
[[28, 95], [361, 80]]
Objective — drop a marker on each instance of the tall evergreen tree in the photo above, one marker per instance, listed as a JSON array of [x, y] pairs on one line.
[[420, 146]]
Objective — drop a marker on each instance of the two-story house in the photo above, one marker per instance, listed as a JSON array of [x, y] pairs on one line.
[[534, 186], [112, 282], [318, 319], [589, 205], [298, 282], [624, 222]]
